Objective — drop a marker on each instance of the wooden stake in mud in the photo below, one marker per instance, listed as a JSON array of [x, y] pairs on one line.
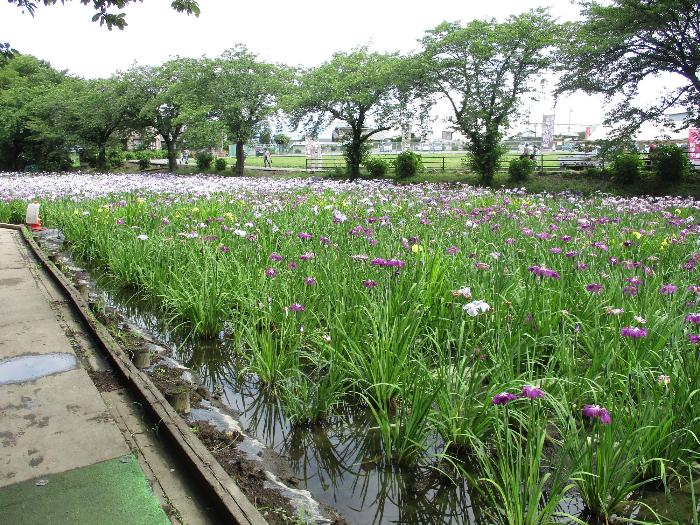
[[83, 289], [141, 358], [179, 398]]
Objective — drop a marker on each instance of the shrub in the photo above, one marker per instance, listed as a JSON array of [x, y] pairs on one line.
[[144, 162], [670, 163], [204, 160], [220, 164], [626, 168], [521, 168], [376, 166], [596, 173], [408, 164], [115, 157], [362, 152]]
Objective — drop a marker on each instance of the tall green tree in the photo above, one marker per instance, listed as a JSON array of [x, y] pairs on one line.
[[281, 140], [483, 69], [621, 43], [162, 99], [93, 111], [28, 132], [243, 94], [104, 9], [361, 89]]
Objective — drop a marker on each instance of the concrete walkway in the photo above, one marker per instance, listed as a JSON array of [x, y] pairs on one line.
[[69, 454]]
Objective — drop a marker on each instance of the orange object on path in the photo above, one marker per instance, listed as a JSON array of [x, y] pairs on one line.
[[32, 217]]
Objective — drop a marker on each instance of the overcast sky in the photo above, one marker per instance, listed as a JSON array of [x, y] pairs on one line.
[[296, 33]]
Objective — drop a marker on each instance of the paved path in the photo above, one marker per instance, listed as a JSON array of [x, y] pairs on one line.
[[70, 454]]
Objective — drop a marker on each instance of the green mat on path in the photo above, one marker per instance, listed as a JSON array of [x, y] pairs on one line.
[[113, 492]]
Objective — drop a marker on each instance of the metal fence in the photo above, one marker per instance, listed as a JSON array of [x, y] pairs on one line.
[[432, 163], [549, 162]]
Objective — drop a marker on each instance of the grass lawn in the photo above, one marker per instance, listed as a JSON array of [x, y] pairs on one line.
[[452, 160]]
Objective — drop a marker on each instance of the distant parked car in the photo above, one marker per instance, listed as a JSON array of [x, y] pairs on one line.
[[581, 160]]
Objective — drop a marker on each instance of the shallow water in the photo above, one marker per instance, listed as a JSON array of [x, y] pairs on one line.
[[338, 461], [31, 367]]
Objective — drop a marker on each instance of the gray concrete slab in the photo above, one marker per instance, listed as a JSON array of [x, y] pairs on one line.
[[54, 424], [27, 336], [10, 255], [16, 280], [16, 308]]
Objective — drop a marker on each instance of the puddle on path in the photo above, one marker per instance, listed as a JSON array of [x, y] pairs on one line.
[[30, 367]]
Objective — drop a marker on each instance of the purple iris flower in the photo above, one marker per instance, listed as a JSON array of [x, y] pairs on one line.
[[594, 288], [692, 318], [531, 392], [668, 289], [597, 412], [633, 331], [503, 398]]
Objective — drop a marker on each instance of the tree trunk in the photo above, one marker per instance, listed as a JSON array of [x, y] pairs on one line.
[[102, 157], [240, 158], [486, 153], [355, 155], [16, 150], [172, 158]]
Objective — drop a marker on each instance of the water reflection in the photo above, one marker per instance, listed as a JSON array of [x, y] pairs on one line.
[[338, 462]]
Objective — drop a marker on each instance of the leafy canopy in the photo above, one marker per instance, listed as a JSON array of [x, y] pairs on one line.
[[163, 99], [103, 9], [485, 66], [27, 86], [359, 88], [483, 69], [623, 42], [243, 91]]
